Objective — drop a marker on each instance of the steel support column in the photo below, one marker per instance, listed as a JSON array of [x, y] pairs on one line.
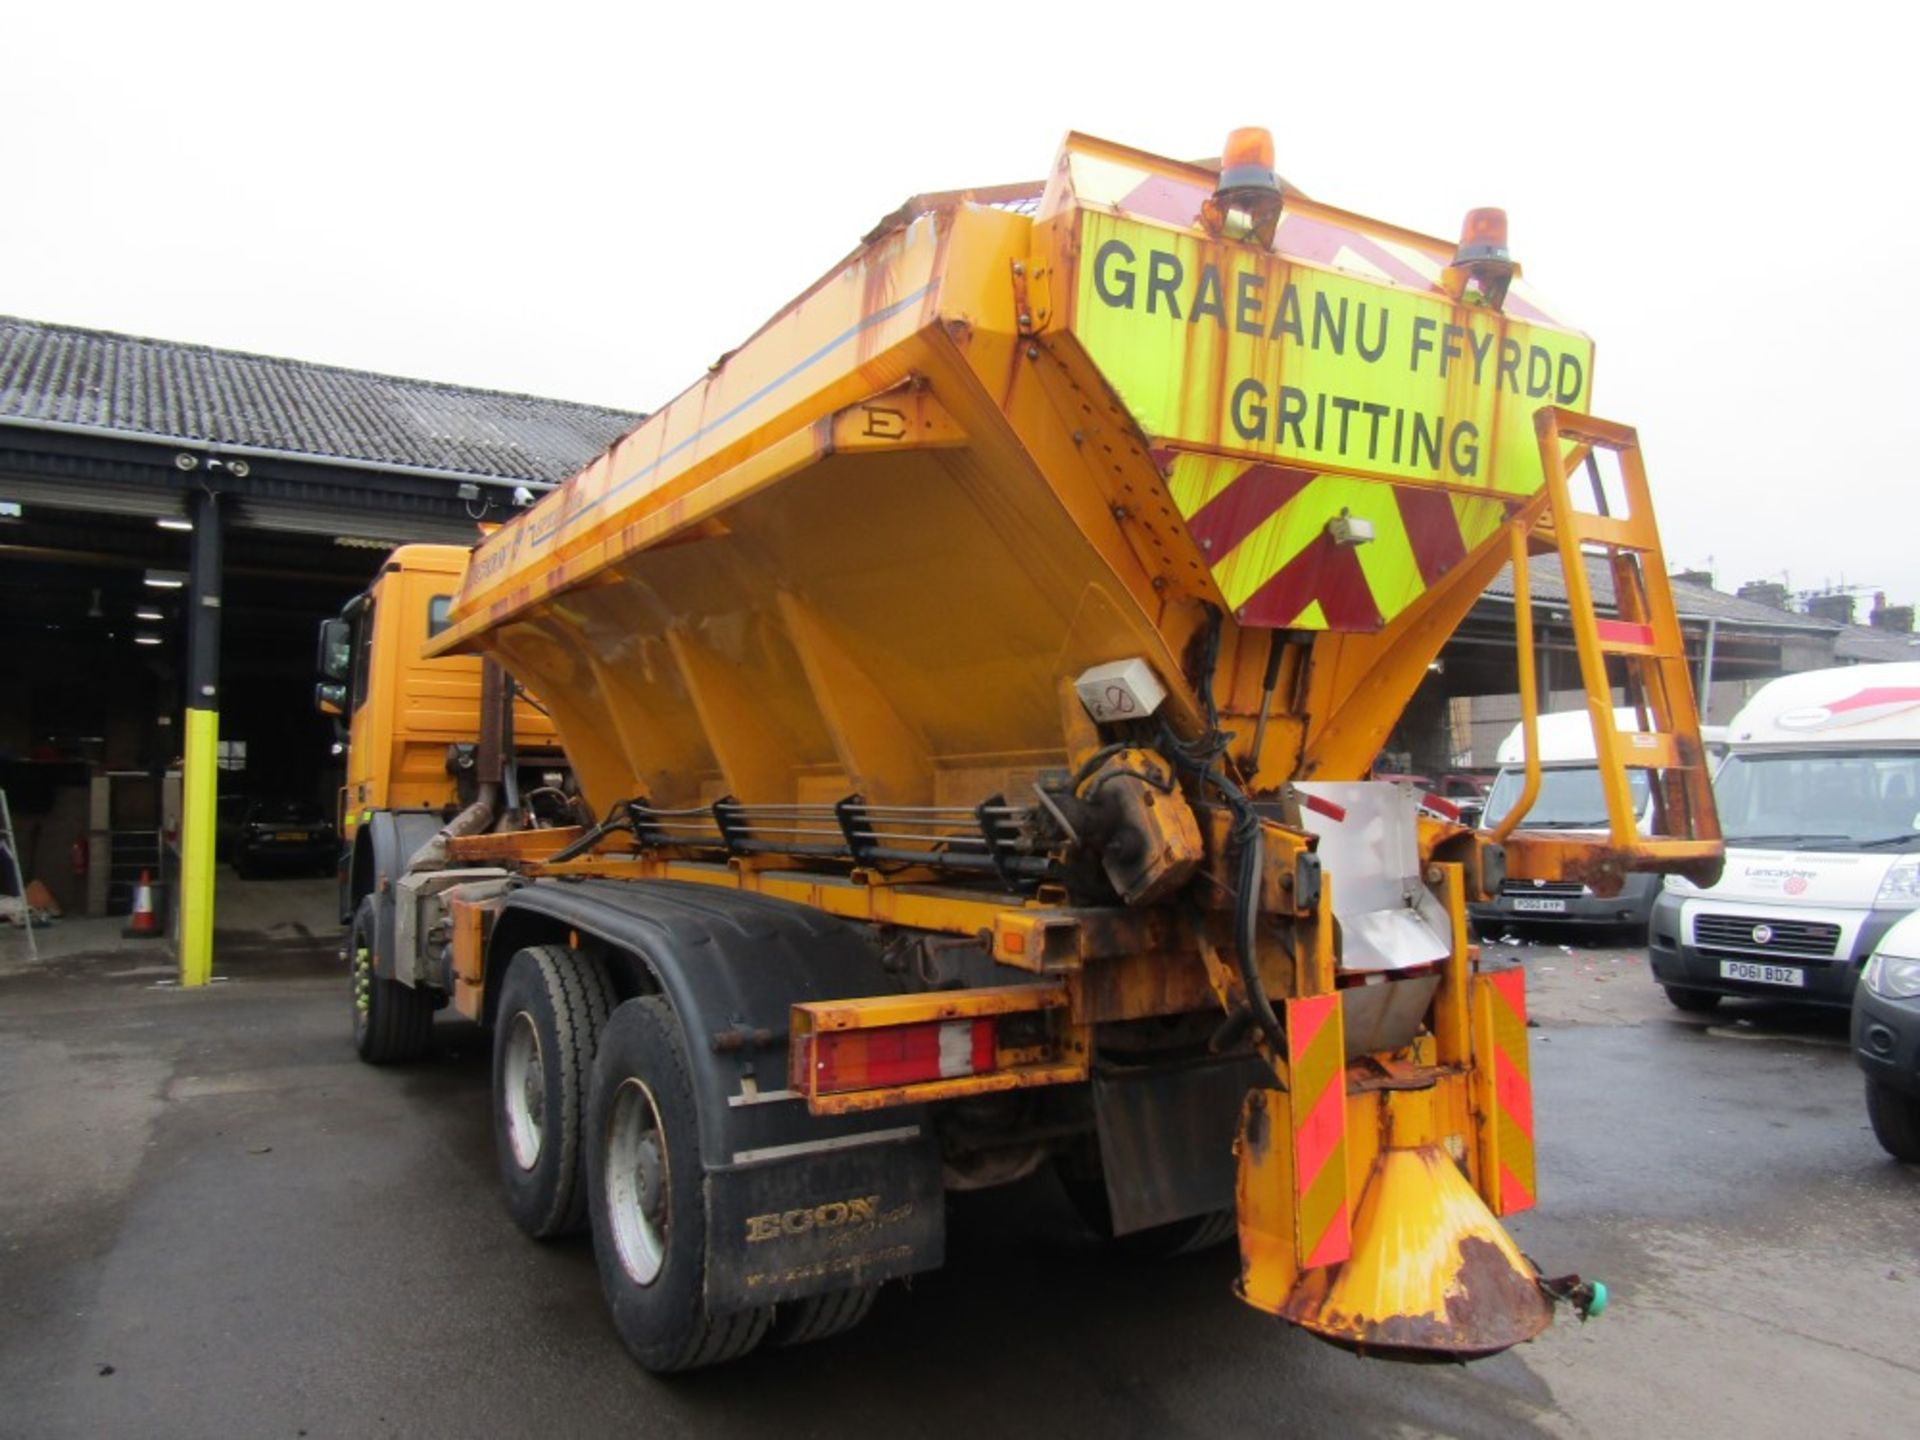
[[200, 768]]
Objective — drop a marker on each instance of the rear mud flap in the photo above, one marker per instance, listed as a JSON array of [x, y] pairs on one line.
[[780, 1228], [1166, 1138]]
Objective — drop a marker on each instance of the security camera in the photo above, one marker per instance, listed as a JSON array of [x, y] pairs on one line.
[[522, 496]]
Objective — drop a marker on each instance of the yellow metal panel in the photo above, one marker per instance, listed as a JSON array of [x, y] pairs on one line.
[[1219, 347], [1504, 1079], [884, 759], [1317, 1120], [907, 417], [1264, 1197]]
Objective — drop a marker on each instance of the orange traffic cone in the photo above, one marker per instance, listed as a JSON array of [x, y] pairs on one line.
[[144, 924]]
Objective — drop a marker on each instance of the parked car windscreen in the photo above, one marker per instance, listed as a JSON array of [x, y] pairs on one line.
[[1830, 800], [1570, 798]]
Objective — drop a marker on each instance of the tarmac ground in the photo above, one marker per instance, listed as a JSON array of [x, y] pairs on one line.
[[214, 1221]]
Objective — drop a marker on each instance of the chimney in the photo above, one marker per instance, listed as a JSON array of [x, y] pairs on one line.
[[1891, 617], [1703, 578], [1764, 592], [1836, 608]]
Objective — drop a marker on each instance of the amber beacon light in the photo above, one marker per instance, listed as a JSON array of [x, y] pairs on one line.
[[1245, 205], [1483, 267]]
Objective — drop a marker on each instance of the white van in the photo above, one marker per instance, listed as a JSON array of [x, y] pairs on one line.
[[1570, 799], [1819, 801]]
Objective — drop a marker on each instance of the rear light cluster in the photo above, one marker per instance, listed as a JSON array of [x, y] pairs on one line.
[[899, 1055], [889, 1050]]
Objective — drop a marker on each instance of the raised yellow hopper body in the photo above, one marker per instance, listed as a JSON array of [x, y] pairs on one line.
[[1023, 433]]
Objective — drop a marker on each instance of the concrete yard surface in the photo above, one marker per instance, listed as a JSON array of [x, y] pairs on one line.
[[214, 1221]]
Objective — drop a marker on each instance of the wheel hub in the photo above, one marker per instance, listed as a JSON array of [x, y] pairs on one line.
[[523, 1091], [360, 973], [638, 1182]]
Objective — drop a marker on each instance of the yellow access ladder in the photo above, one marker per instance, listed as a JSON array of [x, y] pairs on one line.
[[1643, 637]]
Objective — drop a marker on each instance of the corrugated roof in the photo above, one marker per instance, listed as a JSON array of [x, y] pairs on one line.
[[1693, 602], [62, 375], [1862, 644]]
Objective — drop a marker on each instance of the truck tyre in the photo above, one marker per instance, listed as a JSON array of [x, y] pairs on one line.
[[645, 1197], [820, 1317], [1896, 1122], [392, 1023], [1694, 1002], [553, 1005]]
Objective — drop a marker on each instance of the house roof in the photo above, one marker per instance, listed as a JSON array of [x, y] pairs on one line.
[[1697, 603], [1863, 644], [64, 377]]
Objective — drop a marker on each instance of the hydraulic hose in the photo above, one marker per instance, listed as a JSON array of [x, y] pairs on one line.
[[617, 819], [1244, 939], [1201, 759]]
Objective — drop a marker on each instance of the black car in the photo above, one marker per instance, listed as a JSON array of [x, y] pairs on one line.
[[1886, 1039], [283, 835]]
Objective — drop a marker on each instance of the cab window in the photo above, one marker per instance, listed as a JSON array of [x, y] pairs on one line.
[[362, 653], [439, 608]]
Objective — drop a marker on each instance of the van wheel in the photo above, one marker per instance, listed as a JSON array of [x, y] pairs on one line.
[[646, 1199], [392, 1023], [1896, 1122], [553, 1004], [820, 1317], [1694, 1002]]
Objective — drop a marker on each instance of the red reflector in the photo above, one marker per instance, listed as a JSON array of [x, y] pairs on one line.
[[1323, 807], [901, 1054], [1445, 809], [1624, 632]]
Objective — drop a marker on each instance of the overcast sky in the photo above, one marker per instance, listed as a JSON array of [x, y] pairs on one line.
[[593, 202]]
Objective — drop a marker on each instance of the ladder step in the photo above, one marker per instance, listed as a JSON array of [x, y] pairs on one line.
[[1624, 637], [1611, 530], [1642, 750], [1680, 849]]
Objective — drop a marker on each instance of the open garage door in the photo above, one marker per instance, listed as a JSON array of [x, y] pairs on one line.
[[94, 630]]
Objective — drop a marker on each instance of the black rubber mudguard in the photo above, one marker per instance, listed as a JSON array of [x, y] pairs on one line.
[[797, 1204], [386, 842]]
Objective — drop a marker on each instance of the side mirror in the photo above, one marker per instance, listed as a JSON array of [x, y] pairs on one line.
[[330, 699], [335, 658]]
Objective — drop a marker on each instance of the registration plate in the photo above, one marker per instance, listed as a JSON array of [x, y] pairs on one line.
[[1540, 906], [293, 835], [1763, 974]]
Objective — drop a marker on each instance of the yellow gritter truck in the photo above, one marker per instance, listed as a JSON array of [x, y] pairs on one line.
[[967, 692]]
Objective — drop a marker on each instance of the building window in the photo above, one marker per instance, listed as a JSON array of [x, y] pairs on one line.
[[233, 754]]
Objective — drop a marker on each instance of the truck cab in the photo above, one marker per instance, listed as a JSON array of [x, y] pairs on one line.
[[408, 723], [1819, 795]]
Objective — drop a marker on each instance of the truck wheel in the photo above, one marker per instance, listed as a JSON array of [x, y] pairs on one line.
[[820, 1317], [645, 1197], [1896, 1122], [552, 1007], [392, 1023], [1694, 1002]]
